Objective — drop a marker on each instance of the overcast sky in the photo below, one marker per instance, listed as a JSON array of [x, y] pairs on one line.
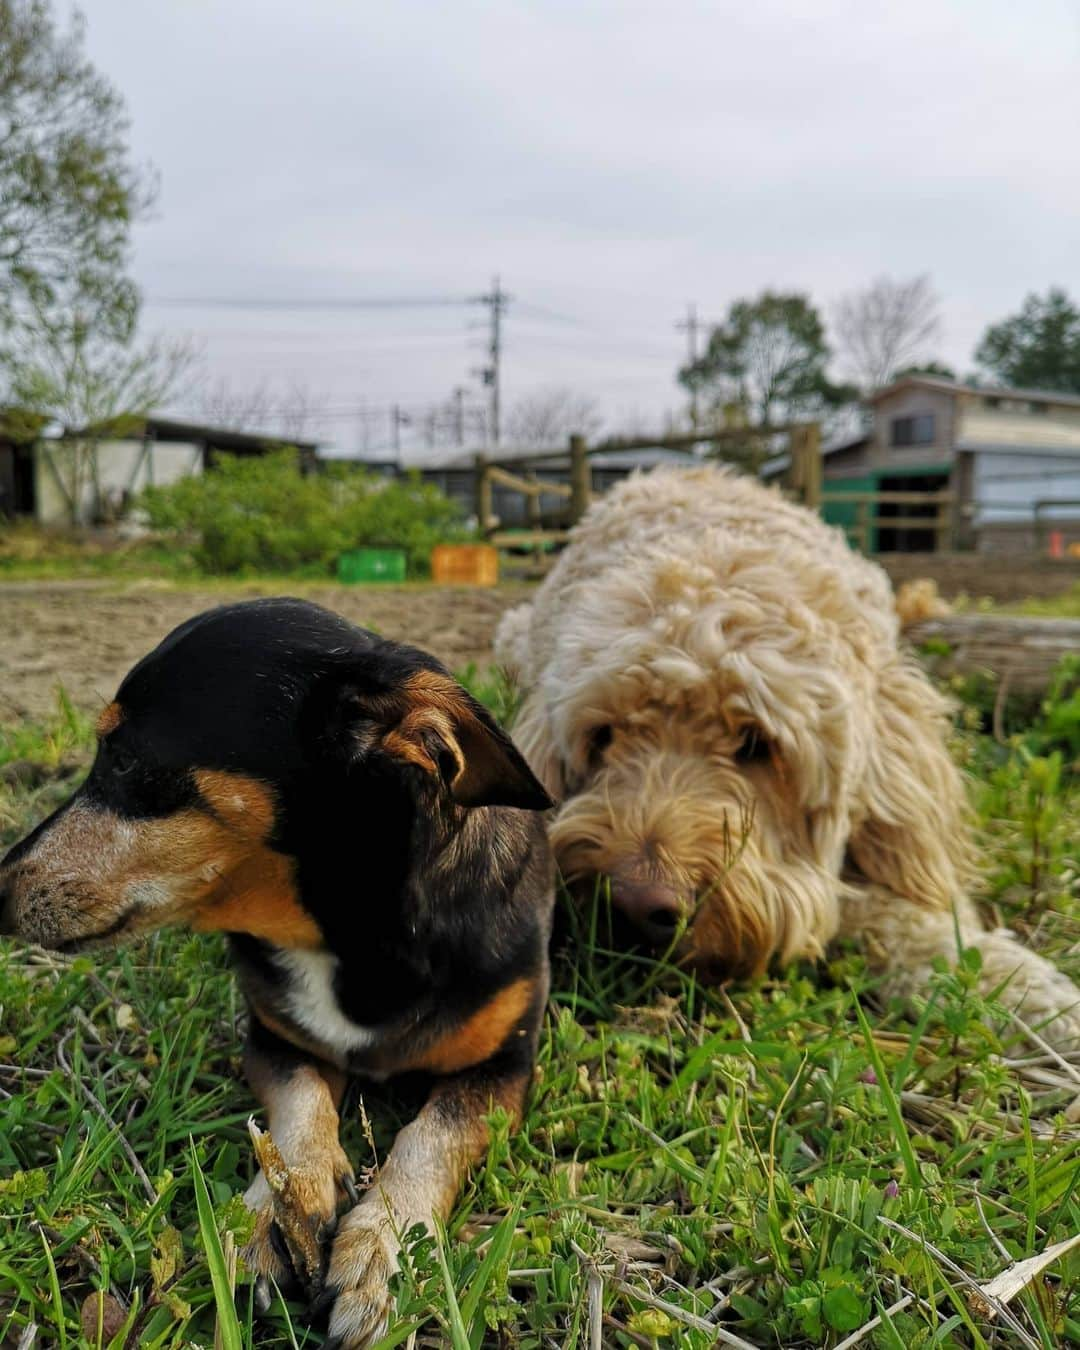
[[611, 161]]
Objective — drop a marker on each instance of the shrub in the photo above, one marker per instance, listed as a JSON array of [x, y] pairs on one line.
[[263, 515]]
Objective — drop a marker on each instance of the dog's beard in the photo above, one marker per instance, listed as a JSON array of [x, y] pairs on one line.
[[757, 879]]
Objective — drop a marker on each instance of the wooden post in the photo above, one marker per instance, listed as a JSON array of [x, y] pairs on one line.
[[862, 524], [483, 500], [805, 450], [580, 479], [943, 525], [532, 514]]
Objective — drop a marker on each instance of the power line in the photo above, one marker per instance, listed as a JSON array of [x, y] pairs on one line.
[[262, 302]]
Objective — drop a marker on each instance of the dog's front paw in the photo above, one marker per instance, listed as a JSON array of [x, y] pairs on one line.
[[363, 1258], [293, 1228]]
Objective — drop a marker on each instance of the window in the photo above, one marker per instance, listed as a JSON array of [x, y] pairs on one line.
[[913, 430]]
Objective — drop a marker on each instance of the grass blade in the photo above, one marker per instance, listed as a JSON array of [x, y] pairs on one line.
[[499, 1244], [228, 1322], [892, 1104], [459, 1337]]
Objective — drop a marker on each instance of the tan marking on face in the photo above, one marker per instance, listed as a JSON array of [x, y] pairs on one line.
[[215, 872], [109, 719], [480, 1035], [246, 803], [259, 897]]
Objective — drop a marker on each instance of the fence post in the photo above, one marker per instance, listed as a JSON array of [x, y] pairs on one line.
[[805, 451], [943, 525], [482, 489], [580, 479], [862, 524]]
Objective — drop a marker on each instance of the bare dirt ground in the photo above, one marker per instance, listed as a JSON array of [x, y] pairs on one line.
[[85, 636]]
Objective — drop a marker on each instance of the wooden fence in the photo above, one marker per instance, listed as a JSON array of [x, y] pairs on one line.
[[546, 529], [547, 526], [939, 522]]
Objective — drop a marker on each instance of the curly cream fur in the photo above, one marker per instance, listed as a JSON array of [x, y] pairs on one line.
[[691, 608]]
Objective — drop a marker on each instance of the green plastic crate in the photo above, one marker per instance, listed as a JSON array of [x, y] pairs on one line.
[[371, 564]]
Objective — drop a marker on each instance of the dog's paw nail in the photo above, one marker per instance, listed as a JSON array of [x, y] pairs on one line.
[[281, 1250], [350, 1190], [262, 1295]]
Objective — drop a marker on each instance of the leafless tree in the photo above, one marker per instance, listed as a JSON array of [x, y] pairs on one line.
[[68, 368], [548, 417], [229, 409], [884, 327], [300, 412]]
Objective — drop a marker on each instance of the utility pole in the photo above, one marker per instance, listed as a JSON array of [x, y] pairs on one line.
[[691, 325], [398, 419], [497, 301], [459, 415], [362, 415]]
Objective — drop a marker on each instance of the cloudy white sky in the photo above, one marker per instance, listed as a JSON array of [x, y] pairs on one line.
[[611, 161]]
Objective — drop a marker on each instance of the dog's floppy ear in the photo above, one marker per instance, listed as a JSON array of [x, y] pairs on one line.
[[445, 731]]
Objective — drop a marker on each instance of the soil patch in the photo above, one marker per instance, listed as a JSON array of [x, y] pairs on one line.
[[85, 636]]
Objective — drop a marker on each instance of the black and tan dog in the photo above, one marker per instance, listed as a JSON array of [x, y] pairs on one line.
[[358, 825]]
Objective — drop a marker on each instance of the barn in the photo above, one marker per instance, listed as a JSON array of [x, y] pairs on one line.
[[1008, 458]]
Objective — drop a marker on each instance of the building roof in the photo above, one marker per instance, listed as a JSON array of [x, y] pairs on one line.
[[224, 438], [985, 390]]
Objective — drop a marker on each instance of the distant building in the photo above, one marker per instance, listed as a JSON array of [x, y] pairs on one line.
[[1010, 457], [36, 481]]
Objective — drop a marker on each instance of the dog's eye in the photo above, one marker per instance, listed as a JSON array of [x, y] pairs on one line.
[[600, 740], [121, 762], [753, 749]]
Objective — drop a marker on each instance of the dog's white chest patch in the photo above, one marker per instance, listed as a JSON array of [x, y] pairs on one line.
[[311, 1001]]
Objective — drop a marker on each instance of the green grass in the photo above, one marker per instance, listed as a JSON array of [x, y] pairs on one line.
[[779, 1162], [1064, 606]]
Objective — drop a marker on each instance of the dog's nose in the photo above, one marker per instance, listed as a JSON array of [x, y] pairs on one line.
[[655, 909]]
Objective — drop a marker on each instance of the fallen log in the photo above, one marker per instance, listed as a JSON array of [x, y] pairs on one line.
[[1020, 652]]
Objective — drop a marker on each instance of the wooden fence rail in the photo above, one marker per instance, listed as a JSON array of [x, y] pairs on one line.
[[868, 517], [543, 533]]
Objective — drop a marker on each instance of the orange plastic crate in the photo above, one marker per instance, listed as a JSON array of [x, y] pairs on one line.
[[465, 564]]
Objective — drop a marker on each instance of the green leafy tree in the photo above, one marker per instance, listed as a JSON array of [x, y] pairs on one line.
[[1039, 348], [768, 361], [69, 191]]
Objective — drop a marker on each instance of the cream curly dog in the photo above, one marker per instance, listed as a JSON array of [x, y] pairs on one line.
[[714, 686]]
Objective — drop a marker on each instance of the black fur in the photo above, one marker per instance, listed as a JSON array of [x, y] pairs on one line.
[[430, 907]]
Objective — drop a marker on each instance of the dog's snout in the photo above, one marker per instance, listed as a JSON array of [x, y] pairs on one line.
[[655, 909]]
